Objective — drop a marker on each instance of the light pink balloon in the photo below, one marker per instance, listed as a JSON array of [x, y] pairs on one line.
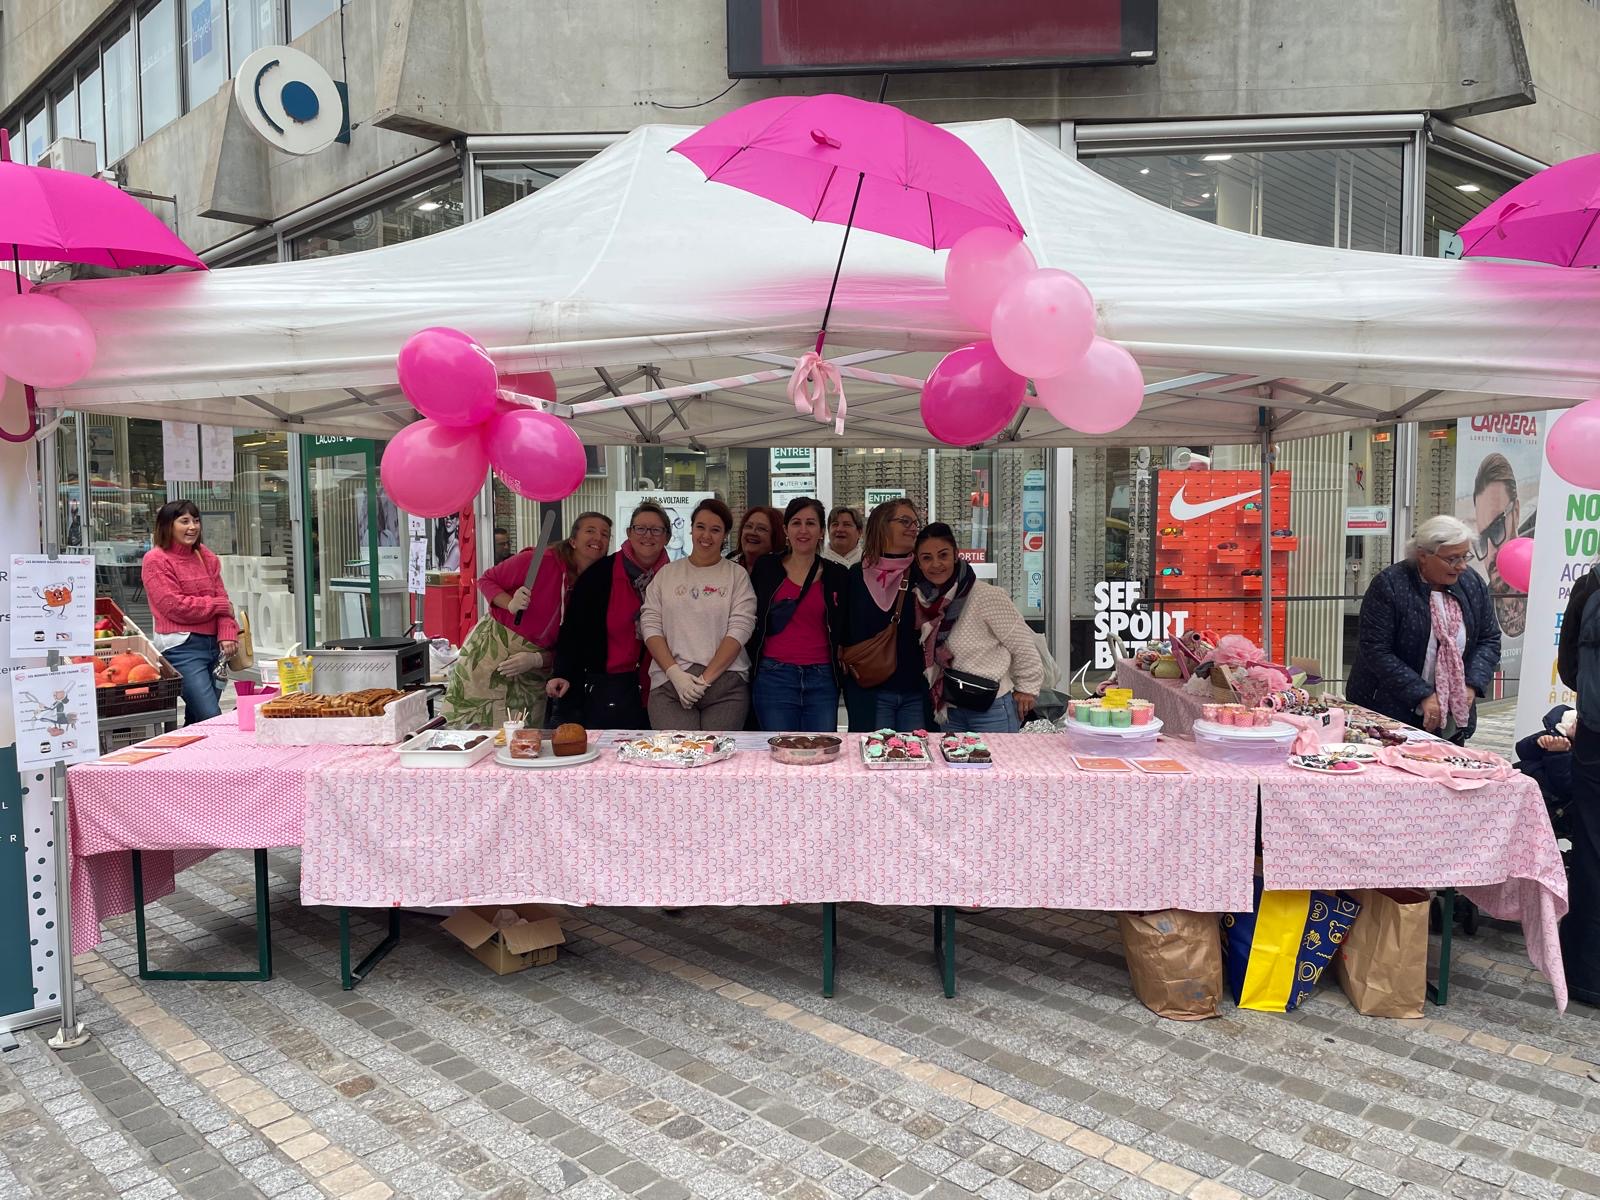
[[449, 377], [43, 341], [1573, 446], [970, 395], [432, 470], [1099, 395], [1515, 561], [1042, 323], [980, 267], [535, 454]]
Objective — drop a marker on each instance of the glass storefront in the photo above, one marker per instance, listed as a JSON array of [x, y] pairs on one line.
[[429, 208]]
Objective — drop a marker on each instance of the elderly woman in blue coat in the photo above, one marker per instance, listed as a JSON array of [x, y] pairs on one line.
[[1429, 644]]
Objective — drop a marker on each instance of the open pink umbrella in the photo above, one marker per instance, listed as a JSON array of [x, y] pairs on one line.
[[60, 216], [853, 163], [1550, 218]]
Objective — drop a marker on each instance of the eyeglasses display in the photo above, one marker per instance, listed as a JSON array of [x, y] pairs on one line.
[[1252, 506], [1251, 572], [1283, 533], [1172, 570], [1172, 531], [1227, 545]]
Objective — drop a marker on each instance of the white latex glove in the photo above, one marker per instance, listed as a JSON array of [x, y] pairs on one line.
[[521, 663], [689, 688]]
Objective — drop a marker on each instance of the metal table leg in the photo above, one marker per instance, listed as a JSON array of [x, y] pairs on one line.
[[1439, 992], [830, 937], [352, 976], [944, 947], [263, 969]]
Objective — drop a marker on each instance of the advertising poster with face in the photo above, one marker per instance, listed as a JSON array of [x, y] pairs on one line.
[[1498, 462]]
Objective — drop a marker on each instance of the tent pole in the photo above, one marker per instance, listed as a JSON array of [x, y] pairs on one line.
[[1266, 535]]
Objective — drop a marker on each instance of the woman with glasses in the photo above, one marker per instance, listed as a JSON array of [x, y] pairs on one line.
[[599, 679], [697, 616], [880, 587], [760, 534], [505, 661], [794, 649], [1429, 644]]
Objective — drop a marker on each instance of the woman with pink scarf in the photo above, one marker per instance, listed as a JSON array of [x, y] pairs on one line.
[[880, 585], [1429, 643]]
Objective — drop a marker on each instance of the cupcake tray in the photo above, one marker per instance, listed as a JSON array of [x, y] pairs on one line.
[[910, 764]]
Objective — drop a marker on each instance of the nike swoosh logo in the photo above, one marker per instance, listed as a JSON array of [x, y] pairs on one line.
[[1182, 510]]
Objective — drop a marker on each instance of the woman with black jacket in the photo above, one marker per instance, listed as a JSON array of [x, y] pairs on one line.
[[1578, 660], [600, 677], [794, 649], [880, 585]]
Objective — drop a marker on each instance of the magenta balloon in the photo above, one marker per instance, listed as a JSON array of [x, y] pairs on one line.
[[1515, 561], [43, 341], [432, 470], [449, 377], [1573, 446], [980, 267], [536, 455], [1099, 395], [970, 395], [1042, 323]]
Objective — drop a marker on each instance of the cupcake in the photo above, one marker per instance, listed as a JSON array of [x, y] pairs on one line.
[[1141, 711], [1121, 718], [1100, 718], [1211, 712]]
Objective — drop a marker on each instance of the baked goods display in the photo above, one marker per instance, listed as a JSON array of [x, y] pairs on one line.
[[805, 749], [569, 739], [526, 743], [676, 749], [305, 705], [891, 749], [965, 750], [438, 749]]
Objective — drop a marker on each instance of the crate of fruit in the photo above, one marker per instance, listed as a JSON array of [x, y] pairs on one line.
[[130, 676], [110, 621]]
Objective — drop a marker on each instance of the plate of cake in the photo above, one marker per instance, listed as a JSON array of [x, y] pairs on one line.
[[891, 750], [678, 749], [965, 750], [568, 746]]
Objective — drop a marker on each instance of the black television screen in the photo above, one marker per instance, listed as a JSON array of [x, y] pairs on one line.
[[849, 37]]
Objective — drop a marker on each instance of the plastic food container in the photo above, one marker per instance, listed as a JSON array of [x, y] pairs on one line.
[[1132, 741], [805, 749], [446, 749], [1253, 746]]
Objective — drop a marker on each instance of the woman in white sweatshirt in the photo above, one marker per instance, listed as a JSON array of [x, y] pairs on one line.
[[983, 666], [698, 613]]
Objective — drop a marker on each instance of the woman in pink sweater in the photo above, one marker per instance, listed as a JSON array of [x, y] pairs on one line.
[[193, 615]]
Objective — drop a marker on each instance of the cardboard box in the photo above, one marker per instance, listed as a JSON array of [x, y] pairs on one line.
[[515, 948]]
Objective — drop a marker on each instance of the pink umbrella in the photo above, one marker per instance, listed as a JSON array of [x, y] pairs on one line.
[[59, 216], [1548, 218], [853, 163]]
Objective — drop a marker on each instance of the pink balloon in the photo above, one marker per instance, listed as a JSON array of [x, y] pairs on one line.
[[1515, 561], [43, 341], [535, 454], [432, 470], [1099, 395], [1573, 446], [449, 377], [1043, 323], [539, 384], [980, 267], [970, 395]]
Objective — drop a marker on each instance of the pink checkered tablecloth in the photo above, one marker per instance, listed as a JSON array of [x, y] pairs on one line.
[[1385, 828], [222, 793], [1033, 831]]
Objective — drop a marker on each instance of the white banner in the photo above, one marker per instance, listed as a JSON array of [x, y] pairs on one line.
[[216, 453], [52, 605], [1498, 461], [180, 451], [1566, 545]]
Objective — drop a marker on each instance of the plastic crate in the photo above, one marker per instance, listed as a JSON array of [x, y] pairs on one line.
[[105, 606], [126, 698]]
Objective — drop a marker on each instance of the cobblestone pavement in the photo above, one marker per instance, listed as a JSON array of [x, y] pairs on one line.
[[675, 1056]]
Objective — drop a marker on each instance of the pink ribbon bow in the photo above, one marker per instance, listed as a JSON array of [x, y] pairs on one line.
[[814, 377]]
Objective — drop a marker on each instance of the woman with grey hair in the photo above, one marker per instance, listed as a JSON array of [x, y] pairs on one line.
[[1428, 644]]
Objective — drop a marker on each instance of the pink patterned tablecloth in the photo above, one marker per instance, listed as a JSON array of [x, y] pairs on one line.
[[1385, 828], [1177, 710], [221, 793], [1031, 831]]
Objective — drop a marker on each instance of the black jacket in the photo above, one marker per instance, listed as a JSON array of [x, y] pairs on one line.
[[1392, 647], [581, 646], [832, 580], [1571, 624], [863, 618]]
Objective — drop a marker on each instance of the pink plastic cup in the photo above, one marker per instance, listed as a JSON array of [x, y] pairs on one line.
[[246, 705]]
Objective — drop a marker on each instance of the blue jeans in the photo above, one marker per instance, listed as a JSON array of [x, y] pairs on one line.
[[1001, 717], [195, 658], [791, 699], [903, 711]]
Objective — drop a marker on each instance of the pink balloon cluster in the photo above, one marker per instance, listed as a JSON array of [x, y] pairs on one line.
[[434, 467], [43, 341], [1041, 323], [1573, 446]]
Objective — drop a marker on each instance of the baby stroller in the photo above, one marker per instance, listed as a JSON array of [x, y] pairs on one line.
[[1551, 769]]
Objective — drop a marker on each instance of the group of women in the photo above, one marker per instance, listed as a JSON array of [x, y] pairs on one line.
[[809, 606]]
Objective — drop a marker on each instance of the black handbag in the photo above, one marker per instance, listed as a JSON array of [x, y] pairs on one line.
[[971, 692], [782, 611]]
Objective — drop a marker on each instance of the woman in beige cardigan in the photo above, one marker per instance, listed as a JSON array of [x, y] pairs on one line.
[[973, 628]]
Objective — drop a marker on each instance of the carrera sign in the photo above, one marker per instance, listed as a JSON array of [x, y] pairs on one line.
[[1506, 424]]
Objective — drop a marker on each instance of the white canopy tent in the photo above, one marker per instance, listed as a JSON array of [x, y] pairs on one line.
[[632, 275]]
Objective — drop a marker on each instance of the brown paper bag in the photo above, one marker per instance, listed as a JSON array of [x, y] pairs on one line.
[[1383, 964], [1175, 960]]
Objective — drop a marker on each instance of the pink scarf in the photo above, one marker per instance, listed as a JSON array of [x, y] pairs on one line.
[[1449, 672], [883, 578]]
